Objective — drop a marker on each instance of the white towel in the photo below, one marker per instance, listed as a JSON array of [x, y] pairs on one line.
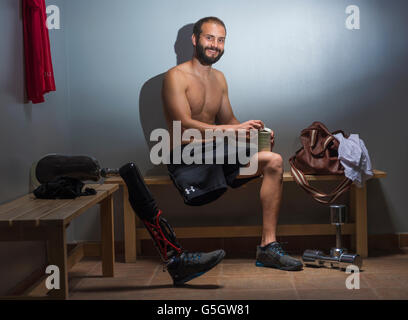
[[353, 155]]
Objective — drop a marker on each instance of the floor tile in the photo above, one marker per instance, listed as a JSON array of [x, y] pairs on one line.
[[287, 294], [249, 269], [239, 279], [386, 280], [392, 293], [326, 282], [336, 294], [256, 283]]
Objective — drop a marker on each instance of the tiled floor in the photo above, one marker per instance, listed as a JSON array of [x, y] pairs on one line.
[[382, 277]]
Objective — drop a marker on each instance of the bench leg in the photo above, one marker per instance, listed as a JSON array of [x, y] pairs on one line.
[[358, 199], [129, 221], [108, 248], [57, 255], [138, 241]]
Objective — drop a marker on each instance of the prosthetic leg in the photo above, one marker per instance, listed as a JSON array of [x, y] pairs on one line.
[[145, 207], [182, 266]]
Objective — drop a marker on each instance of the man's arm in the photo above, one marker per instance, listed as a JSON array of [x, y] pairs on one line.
[[225, 114]]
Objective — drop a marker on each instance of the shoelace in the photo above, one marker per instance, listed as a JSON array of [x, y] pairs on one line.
[[191, 257], [278, 249], [188, 258]]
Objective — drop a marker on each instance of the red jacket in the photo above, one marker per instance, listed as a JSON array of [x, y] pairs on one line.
[[38, 64]]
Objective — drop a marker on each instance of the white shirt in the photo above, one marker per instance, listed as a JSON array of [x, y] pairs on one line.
[[353, 155]]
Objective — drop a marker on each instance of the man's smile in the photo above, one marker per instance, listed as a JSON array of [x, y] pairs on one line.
[[212, 51]]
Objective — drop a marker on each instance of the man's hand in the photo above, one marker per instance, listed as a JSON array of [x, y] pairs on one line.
[[272, 139], [251, 124]]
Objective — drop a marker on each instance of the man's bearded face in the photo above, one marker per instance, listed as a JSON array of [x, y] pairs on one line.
[[205, 55]]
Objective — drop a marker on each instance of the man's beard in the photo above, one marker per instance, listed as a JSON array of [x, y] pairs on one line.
[[203, 58]]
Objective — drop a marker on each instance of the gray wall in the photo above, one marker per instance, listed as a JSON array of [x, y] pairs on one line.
[[26, 131], [287, 62]]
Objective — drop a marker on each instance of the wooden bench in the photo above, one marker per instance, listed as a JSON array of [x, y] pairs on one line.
[[31, 219], [134, 232]]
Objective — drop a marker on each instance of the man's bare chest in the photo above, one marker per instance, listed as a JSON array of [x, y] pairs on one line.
[[205, 99]]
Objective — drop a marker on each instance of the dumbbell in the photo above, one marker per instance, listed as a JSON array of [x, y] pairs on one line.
[[339, 256]]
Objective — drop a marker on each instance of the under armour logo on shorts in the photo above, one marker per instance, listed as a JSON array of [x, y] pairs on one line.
[[191, 189]]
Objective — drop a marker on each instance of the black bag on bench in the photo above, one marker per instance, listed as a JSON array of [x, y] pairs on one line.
[[62, 188]]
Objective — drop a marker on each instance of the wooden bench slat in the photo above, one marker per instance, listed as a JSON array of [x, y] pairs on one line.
[[67, 213], [36, 208], [252, 231], [35, 215], [16, 203], [30, 210], [23, 208], [160, 180], [25, 202], [100, 187]]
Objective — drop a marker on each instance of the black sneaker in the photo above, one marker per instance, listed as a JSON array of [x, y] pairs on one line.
[[274, 256], [190, 265]]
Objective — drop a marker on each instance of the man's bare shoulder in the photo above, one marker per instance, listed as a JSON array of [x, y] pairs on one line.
[[179, 71], [218, 73], [220, 77], [173, 73], [176, 78]]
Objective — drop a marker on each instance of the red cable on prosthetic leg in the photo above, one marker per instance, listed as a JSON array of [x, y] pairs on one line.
[[160, 240]]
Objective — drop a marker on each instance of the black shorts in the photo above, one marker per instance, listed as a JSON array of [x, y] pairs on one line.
[[200, 184]]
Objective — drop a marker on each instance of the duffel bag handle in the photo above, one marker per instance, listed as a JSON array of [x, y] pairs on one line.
[[317, 149], [314, 149]]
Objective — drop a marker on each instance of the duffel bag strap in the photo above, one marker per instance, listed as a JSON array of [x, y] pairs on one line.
[[318, 195]]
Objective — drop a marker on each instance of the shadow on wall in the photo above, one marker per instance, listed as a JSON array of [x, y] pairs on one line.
[[377, 202], [14, 69], [150, 103]]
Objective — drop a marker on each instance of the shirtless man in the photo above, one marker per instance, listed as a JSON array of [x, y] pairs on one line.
[[197, 95]]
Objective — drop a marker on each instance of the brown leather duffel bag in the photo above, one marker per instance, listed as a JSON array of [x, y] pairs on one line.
[[318, 156]]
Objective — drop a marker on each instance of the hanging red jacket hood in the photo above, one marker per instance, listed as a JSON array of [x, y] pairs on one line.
[[38, 63]]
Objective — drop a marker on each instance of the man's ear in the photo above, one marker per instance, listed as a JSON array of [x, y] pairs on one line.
[[194, 40]]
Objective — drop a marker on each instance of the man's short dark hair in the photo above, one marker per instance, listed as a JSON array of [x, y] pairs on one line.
[[197, 26]]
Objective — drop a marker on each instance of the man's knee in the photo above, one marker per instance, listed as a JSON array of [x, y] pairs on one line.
[[274, 164]]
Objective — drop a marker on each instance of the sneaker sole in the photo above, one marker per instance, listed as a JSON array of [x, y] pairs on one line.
[[183, 281], [293, 268]]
